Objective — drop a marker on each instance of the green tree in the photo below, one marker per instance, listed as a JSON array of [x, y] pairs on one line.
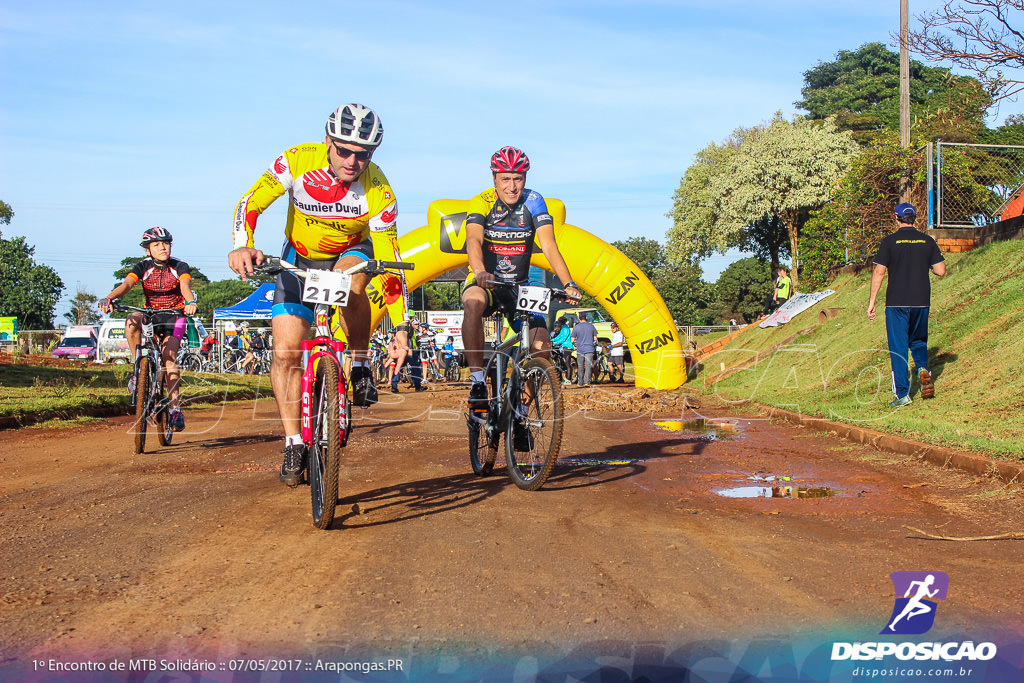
[[781, 172], [646, 253], [28, 290], [687, 296], [220, 294], [84, 310], [741, 290], [438, 296], [680, 285], [6, 214], [861, 89], [697, 230]]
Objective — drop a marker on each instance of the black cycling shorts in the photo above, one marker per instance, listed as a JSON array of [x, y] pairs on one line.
[[288, 293], [503, 300]]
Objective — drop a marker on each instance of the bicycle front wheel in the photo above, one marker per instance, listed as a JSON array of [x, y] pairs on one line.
[[534, 432], [141, 397], [163, 418], [325, 450], [483, 447]]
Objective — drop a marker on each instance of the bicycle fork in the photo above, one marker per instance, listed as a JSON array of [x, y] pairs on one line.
[[312, 350]]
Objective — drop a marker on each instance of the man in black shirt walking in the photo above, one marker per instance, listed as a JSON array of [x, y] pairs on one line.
[[907, 255]]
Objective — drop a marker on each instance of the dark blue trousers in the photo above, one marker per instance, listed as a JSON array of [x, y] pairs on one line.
[[906, 328]]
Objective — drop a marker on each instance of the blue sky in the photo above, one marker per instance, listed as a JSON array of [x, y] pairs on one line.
[[116, 116]]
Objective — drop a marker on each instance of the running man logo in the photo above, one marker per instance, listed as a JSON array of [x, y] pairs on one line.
[[453, 233], [914, 613]]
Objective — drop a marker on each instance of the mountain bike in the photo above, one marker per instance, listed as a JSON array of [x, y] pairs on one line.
[[189, 359], [602, 366], [453, 371], [150, 396], [428, 360], [566, 370], [524, 400], [326, 411]]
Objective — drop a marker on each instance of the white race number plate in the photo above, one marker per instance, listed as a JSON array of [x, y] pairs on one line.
[[534, 299], [327, 287]]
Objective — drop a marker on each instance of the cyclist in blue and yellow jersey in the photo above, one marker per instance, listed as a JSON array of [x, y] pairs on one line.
[[500, 229], [341, 211], [166, 283]]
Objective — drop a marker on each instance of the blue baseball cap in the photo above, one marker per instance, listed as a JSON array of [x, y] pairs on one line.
[[906, 211]]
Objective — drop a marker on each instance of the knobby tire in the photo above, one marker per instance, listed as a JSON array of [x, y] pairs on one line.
[[483, 450], [325, 449], [163, 418], [541, 419], [141, 396]]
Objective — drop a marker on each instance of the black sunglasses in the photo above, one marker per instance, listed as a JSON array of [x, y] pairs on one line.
[[361, 155]]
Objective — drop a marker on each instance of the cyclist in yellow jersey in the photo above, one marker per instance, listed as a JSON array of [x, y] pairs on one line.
[[341, 211]]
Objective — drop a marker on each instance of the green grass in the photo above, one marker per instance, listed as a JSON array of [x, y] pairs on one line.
[[32, 391], [840, 370]]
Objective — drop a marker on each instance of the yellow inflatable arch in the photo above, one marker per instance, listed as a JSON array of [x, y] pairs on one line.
[[600, 269]]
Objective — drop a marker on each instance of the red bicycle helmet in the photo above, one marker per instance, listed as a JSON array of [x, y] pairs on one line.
[[510, 160], [156, 234]]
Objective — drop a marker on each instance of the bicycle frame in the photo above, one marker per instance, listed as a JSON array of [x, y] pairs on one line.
[[323, 344], [499, 362]]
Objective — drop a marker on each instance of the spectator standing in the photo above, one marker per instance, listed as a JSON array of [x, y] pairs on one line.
[[907, 256], [617, 354], [783, 288], [561, 343], [584, 337]]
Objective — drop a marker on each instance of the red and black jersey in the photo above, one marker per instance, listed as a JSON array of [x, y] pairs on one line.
[[161, 283]]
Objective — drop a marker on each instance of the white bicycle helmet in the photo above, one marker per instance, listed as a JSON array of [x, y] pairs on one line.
[[356, 124]]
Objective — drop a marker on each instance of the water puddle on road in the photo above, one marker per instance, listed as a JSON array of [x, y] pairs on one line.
[[595, 462], [778, 487], [711, 430]]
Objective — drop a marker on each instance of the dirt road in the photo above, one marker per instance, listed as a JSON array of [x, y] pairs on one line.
[[651, 542]]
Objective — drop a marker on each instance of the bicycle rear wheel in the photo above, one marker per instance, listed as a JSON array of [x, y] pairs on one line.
[[534, 432], [325, 449], [141, 397]]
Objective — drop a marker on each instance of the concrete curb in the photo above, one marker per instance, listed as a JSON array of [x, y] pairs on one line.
[[973, 463]]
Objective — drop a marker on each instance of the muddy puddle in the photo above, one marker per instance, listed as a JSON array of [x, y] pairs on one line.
[[702, 428], [772, 486]]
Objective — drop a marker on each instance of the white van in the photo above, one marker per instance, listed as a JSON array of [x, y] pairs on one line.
[[113, 346]]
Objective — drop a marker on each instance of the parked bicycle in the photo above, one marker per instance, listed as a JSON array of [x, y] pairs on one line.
[[326, 411], [524, 400], [150, 397], [189, 359], [566, 369]]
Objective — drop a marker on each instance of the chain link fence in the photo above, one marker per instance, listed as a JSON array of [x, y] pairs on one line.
[[977, 185]]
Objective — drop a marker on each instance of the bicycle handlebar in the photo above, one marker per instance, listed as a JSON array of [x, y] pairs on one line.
[[124, 308], [272, 265], [556, 292]]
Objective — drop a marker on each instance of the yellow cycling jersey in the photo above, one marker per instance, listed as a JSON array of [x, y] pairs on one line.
[[325, 215]]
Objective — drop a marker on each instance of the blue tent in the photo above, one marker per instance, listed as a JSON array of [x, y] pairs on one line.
[[256, 306]]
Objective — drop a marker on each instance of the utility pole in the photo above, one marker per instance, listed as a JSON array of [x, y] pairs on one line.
[[904, 92]]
